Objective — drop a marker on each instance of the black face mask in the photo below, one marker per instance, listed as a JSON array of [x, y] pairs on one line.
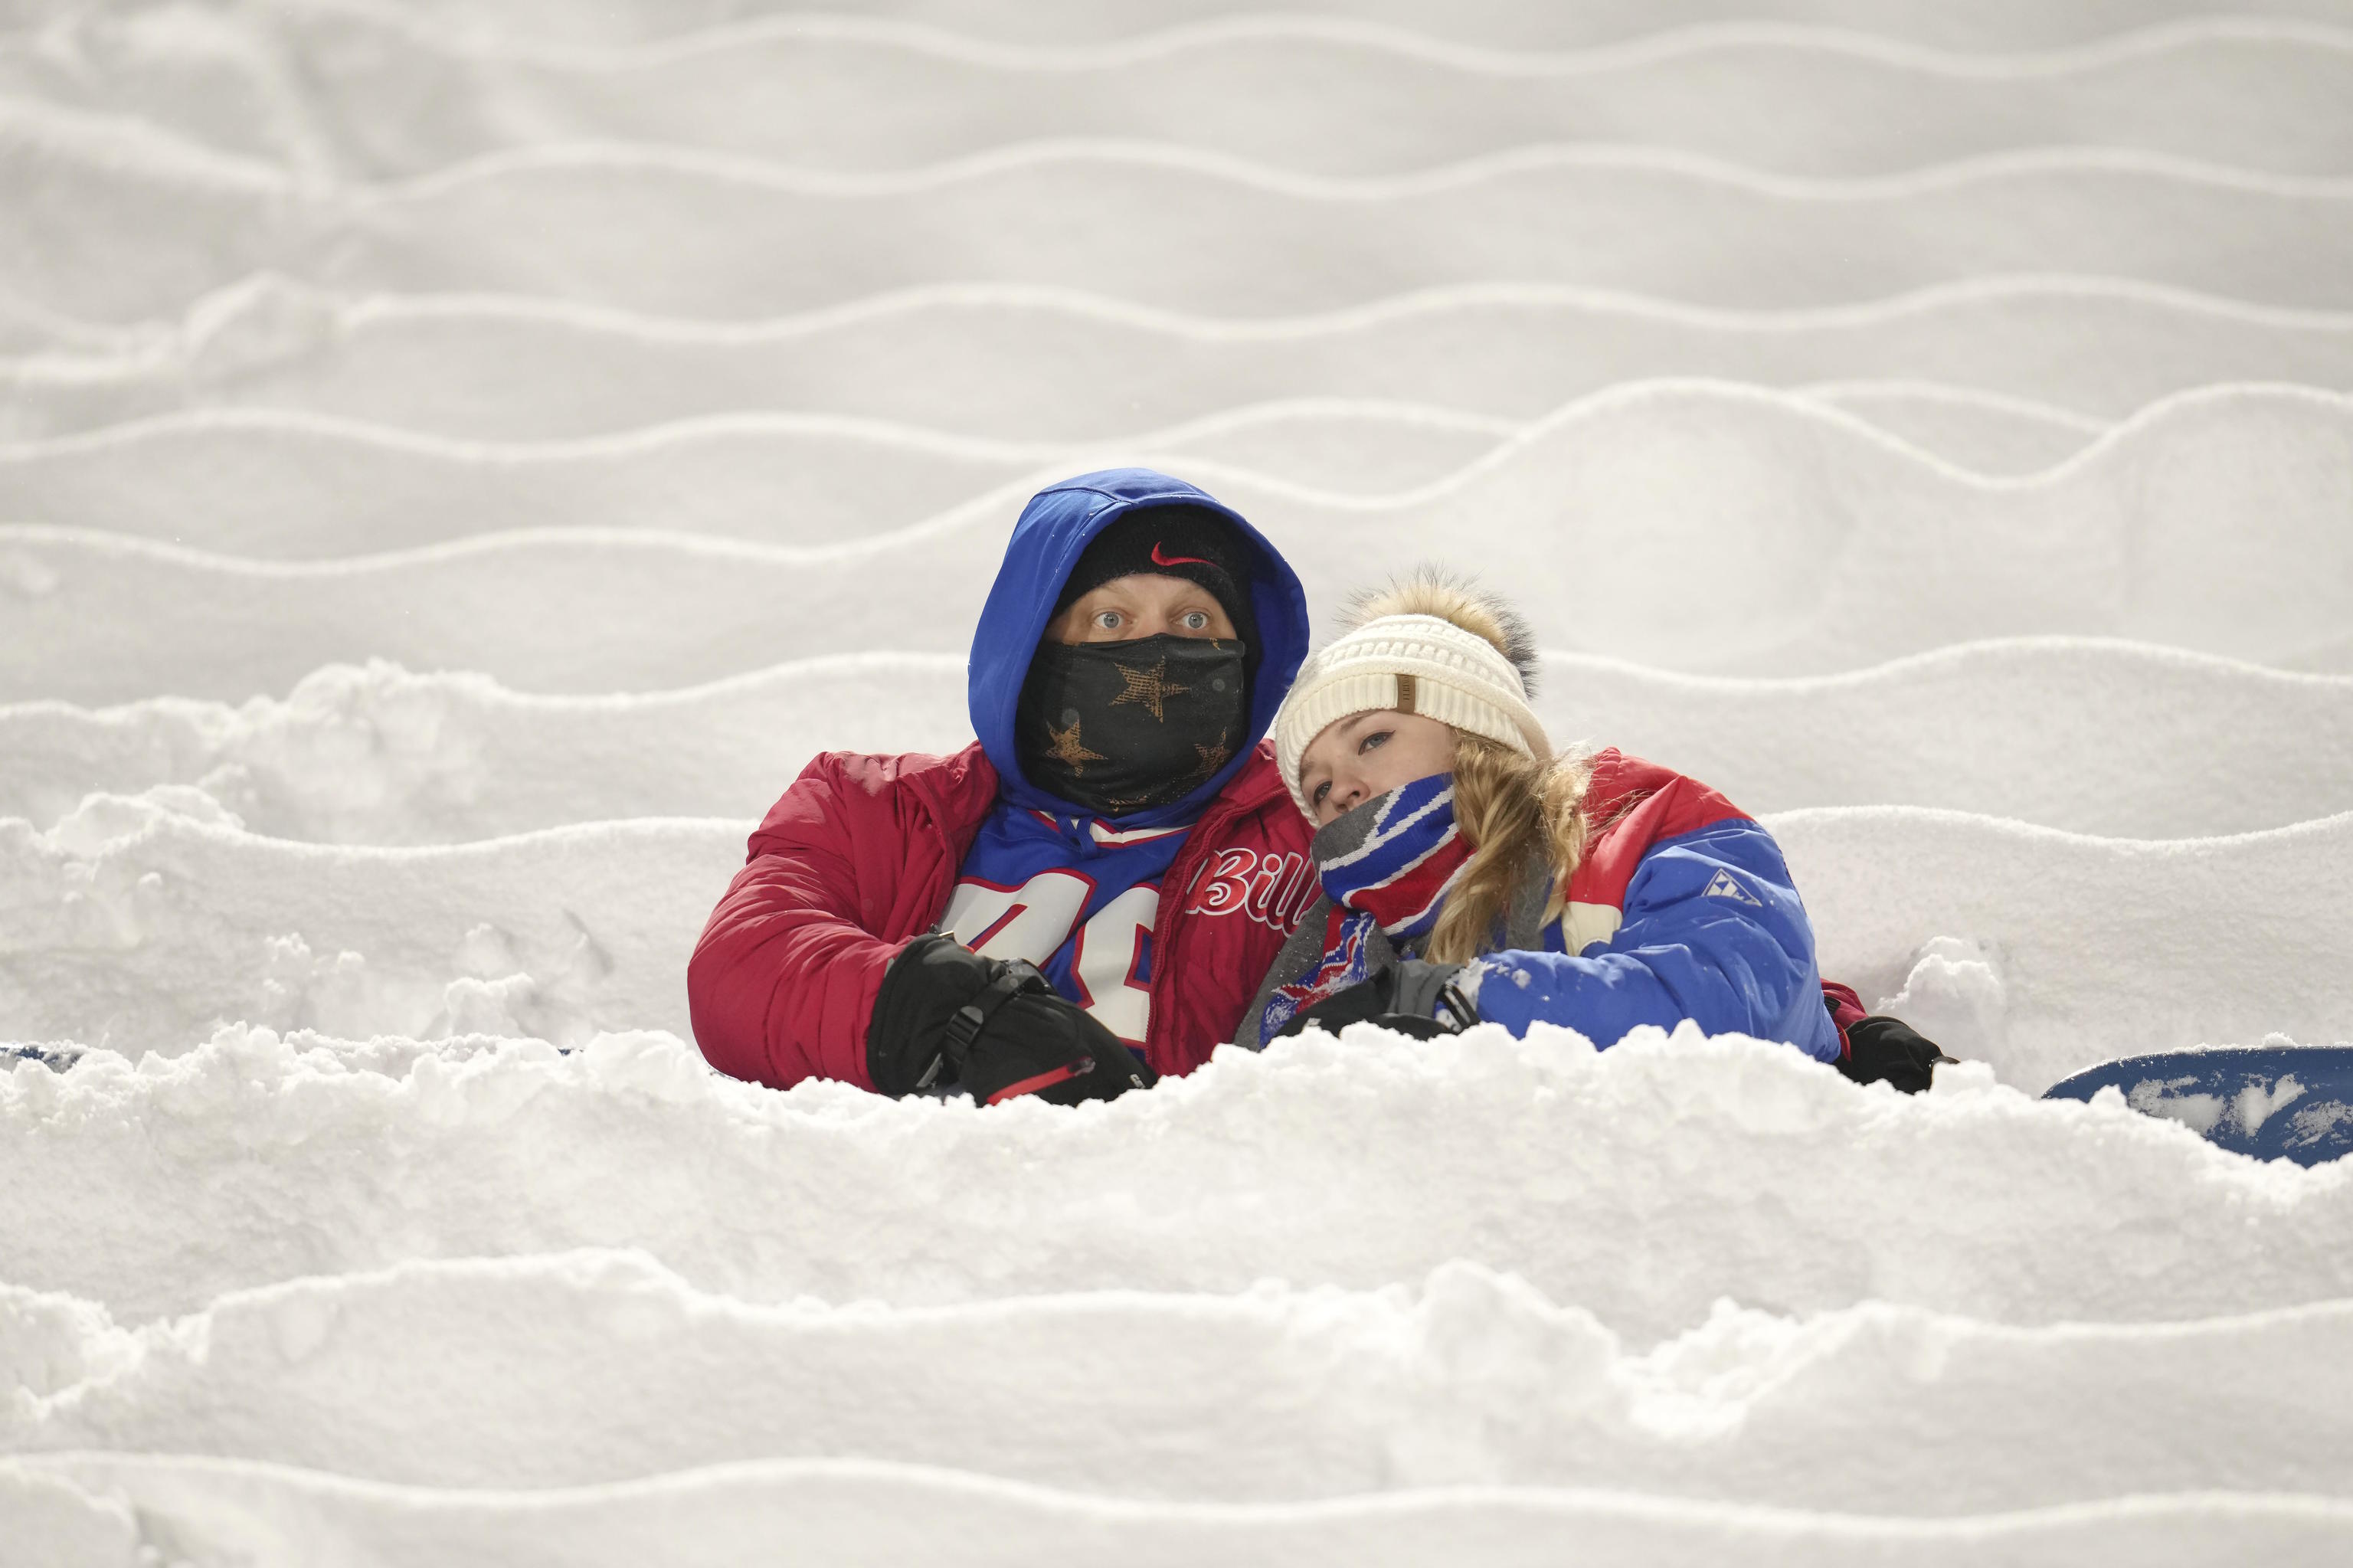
[[1118, 727]]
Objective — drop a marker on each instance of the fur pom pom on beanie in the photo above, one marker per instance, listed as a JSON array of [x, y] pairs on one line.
[[1430, 644]]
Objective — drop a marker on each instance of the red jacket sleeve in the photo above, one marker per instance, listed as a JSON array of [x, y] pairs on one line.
[[848, 865], [1846, 1011]]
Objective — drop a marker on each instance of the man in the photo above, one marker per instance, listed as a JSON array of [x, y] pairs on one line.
[[1117, 826]]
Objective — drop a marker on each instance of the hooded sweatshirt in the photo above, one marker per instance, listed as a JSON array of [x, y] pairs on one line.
[[1073, 892]]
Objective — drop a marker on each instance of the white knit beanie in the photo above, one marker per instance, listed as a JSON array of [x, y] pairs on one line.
[[1414, 663]]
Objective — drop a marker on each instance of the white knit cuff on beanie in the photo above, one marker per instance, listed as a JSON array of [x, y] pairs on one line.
[[1412, 663]]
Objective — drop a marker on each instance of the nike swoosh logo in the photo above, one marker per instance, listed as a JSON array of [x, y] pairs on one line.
[[1160, 560]]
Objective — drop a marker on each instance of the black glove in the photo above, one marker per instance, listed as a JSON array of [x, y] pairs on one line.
[[906, 1037], [1883, 1050], [1402, 998], [945, 1014]]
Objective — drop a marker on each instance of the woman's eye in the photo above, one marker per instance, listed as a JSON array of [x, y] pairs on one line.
[[1321, 791], [1378, 737]]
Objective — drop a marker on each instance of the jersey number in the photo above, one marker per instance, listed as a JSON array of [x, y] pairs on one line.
[[1031, 920]]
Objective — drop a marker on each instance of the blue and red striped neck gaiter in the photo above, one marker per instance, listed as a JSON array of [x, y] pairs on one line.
[[1386, 865]]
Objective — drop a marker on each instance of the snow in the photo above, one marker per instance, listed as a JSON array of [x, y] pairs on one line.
[[864, 1511], [1578, 1172], [1028, 363], [2246, 1111], [1840, 546], [377, 755], [456, 462], [668, 231], [880, 94]]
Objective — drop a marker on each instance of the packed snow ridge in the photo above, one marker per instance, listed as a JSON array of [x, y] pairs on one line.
[[457, 464], [376, 755]]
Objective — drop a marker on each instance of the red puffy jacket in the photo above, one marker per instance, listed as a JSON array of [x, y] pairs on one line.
[[860, 855]]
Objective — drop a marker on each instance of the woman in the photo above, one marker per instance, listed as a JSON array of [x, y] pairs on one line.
[[1472, 874]]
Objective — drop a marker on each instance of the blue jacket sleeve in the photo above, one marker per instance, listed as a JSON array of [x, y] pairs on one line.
[[1713, 931]]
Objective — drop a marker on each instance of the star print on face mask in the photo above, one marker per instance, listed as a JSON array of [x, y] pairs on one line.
[[1068, 749], [1212, 758], [1118, 727], [1151, 687]]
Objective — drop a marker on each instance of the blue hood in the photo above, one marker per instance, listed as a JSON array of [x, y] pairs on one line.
[[1054, 529]]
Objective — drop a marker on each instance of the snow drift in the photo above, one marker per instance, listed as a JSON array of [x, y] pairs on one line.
[[458, 461]]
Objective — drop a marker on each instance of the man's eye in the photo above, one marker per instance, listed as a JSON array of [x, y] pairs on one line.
[[1196, 621], [1108, 620]]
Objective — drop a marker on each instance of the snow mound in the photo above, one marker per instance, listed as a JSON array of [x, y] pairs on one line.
[[859, 1512], [593, 28], [1023, 362], [594, 1367], [1986, 432], [255, 1157], [331, 93], [719, 236], [376, 755], [1837, 547], [137, 922], [273, 484]]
